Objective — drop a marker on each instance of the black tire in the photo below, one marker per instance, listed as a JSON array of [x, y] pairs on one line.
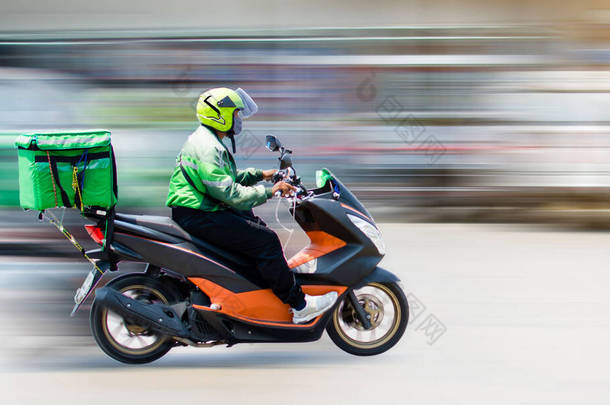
[[98, 319], [343, 319]]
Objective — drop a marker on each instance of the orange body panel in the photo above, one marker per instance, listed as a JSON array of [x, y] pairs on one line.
[[321, 244], [258, 306]]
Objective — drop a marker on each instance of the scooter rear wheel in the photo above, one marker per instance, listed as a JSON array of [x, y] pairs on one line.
[[126, 342], [388, 311]]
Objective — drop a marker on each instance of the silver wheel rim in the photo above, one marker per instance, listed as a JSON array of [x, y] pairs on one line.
[[384, 315], [132, 338]]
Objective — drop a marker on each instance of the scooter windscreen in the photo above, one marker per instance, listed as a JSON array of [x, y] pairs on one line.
[[345, 196]]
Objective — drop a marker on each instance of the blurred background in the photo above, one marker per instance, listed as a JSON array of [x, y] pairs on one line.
[[433, 111]]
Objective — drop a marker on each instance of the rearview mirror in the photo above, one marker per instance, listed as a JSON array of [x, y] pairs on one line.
[[272, 143]]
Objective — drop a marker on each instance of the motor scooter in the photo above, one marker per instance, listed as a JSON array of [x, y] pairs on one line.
[[194, 293]]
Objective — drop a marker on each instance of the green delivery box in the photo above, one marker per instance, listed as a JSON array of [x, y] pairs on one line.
[[66, 169]]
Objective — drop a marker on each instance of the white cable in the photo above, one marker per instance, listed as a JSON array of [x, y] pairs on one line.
[[277, 218], [294, 206], [294, 214]]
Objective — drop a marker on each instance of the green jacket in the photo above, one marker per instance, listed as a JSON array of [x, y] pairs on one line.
[[213, 182]]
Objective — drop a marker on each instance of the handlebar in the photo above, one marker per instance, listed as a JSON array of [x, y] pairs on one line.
[[289, 176], [286, 172]]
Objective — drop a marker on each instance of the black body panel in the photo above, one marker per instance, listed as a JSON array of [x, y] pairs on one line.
[[238, 331], [168, 226], [378, 275], [186, 259], [144, 231], [344, 266], [121, 251]]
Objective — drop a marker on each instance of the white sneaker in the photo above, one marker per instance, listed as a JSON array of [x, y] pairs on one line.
[[314, 305]]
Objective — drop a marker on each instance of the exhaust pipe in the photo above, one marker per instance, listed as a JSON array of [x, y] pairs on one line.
[[156, 317]]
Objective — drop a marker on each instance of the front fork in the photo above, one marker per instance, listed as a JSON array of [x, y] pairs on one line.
[[363, 317]]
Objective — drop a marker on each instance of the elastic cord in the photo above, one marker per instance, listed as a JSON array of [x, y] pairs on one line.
[[84, 155]]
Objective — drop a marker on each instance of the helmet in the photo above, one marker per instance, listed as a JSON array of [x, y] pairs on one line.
[[215, 109]]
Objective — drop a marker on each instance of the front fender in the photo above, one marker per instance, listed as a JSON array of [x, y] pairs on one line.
[[378, 275]]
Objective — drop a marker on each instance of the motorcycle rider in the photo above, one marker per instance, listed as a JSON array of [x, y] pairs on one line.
[[213, 200]]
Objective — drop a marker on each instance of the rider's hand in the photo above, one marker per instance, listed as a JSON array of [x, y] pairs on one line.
[[268, 174], [284, 188]]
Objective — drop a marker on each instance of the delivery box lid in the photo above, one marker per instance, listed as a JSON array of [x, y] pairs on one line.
[[62, 140]]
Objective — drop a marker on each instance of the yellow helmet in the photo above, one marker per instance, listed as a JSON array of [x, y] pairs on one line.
[[215, 108]]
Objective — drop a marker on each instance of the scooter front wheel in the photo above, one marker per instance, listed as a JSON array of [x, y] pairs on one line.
[[387, 310]]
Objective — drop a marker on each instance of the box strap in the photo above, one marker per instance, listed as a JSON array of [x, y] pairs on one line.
[[75, 160], [55, 180], [52, 179]]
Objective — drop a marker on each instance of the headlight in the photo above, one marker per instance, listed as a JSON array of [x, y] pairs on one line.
[[369, 230]]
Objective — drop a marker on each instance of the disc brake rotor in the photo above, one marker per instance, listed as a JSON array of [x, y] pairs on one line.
[[380, 309], [372, 306]]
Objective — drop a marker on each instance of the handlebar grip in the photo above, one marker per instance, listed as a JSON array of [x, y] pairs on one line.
[[277, 177]]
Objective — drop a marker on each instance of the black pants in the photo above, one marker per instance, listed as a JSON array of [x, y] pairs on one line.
[[246, 235]]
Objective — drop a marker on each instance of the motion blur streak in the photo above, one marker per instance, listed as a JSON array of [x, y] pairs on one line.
[[452, 122], [430, 111]]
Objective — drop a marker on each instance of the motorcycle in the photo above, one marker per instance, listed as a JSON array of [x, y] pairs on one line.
[[193, 293]]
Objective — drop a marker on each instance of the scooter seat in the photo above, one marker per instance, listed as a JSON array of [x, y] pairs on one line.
[[168, 226]]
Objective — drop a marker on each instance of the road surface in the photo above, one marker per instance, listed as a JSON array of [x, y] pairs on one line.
[[500, 315]]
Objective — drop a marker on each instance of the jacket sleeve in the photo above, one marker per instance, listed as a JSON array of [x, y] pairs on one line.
[[220, 185], [249, 177]]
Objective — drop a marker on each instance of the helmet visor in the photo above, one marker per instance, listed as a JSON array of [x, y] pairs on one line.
[[250, 107]]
